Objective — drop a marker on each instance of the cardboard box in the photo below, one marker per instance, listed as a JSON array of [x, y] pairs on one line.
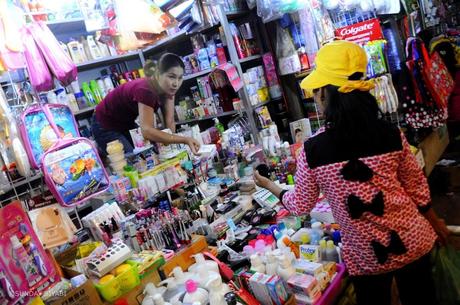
[[277, 290], [184, 258], [83, 295], [258, 283], [306, 267], [304, 284]]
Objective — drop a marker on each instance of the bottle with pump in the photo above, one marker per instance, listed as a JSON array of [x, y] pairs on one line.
[[201, 261], [257, 264], [158, 300], [285, 268], [195, 294]]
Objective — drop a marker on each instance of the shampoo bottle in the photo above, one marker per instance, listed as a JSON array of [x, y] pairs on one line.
[[331, 252], [88, 94], [322, 249], [96, 91], [285, 268], [93, 48]]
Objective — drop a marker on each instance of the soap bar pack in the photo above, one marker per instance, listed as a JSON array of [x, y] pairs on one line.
[[306, 267], [310, 252], [304, 284]]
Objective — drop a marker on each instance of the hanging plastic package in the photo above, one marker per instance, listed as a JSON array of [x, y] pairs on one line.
[[39, 74], [11, 136], [10, 16], [11, 59], [268, 10], [38, 133], [446, 275], [59, 62], [288, 60]]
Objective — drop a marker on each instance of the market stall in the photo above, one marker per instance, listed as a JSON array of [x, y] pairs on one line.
[[162, 225]]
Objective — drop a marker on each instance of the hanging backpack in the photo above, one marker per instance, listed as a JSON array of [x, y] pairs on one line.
[[37, 132]]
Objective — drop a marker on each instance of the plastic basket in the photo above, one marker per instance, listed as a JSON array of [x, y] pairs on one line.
[[331, 293]]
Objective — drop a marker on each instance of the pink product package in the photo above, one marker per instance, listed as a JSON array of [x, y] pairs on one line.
[[25, 269], [270, 69], [59, 62], [39, 74], [12, 60]]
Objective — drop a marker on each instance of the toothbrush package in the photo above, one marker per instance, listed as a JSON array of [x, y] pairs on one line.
[[25, 269]]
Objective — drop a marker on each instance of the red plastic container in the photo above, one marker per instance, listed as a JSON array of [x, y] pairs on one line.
[[332, 291]]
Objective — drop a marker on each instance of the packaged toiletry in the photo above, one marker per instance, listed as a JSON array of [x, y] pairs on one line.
[[304, 284], [84, 43], [257, 264], [310, 252], [285, 268], [75, 52], [331, 252], [258, 284], [306, 267], [277, 290], [88, 94], [203, 59], [96, 91]]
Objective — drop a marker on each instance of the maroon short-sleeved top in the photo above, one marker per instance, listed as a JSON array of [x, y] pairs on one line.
[[119, 109]]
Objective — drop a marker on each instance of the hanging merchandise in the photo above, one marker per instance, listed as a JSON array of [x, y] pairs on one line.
[[376, 58], [11, 59], [12, 137], [39, 74], [93, 13], [324, 27], [60, 64], [288, 60], [25, 267], [385, 94], [307, 30], [73, 171], [423, 111], [10, 17], [37, 132]]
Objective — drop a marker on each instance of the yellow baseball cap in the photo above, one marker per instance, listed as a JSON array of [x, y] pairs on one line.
[[334, 63]]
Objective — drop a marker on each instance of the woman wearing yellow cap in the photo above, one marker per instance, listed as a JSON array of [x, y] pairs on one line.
[[377, 192]]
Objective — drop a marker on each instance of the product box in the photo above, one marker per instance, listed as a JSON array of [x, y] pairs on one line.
[[310, 253], [82, 295], [277, 290], [258, 284], [301, 299], [306, 267], [304, 284]]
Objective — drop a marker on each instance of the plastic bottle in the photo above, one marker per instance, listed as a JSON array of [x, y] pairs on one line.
[[24, 260], [331, 252], [101, 85], [294, 248], [174, 292], [201, 261], [217, 291], [322, 249], [52, 98], [180, 276], [81, 100], [256, 264], [90, 100], [93, 48], [195, 294], [285, 268], [272, 264], [108, 84], [85, 48], [158, 300], [75, 52], [96, 91], [219, 126]]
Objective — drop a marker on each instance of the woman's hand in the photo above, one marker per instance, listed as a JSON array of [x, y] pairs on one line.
[[193, 144], [441, 229], [261, 180]]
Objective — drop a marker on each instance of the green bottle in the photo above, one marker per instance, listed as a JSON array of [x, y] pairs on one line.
[[219, 126], [88, 94], [96, 91]]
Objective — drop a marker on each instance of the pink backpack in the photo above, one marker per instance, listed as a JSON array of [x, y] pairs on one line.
[[73, 171], [37, 131]]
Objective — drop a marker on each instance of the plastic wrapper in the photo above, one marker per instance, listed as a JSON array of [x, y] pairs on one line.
[[288, 60], [39, 74], [140, 16], [60, 64]]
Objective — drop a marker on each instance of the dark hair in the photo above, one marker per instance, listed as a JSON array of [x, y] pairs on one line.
[[166, 62], [353, 118]]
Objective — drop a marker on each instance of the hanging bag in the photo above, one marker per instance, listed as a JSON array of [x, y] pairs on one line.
[[446, 275], [38, 134], [288, 60], [60, 64], [73, 171]]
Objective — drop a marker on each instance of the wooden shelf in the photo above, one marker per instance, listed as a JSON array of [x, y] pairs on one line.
[[209, 117]]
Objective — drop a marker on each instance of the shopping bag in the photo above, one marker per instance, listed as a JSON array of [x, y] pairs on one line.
[[437, 77], [446, 275], [59, 62], [39, 74]]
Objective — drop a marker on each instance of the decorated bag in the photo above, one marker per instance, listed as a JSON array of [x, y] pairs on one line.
[[38, 134], [73, 171], [422, 111]]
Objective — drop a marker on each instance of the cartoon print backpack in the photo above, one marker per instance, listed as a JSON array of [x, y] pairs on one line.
[[73, 171], [37, 133]]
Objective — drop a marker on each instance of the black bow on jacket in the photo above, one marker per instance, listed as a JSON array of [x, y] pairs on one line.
[[356, 207], [396, 246]]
